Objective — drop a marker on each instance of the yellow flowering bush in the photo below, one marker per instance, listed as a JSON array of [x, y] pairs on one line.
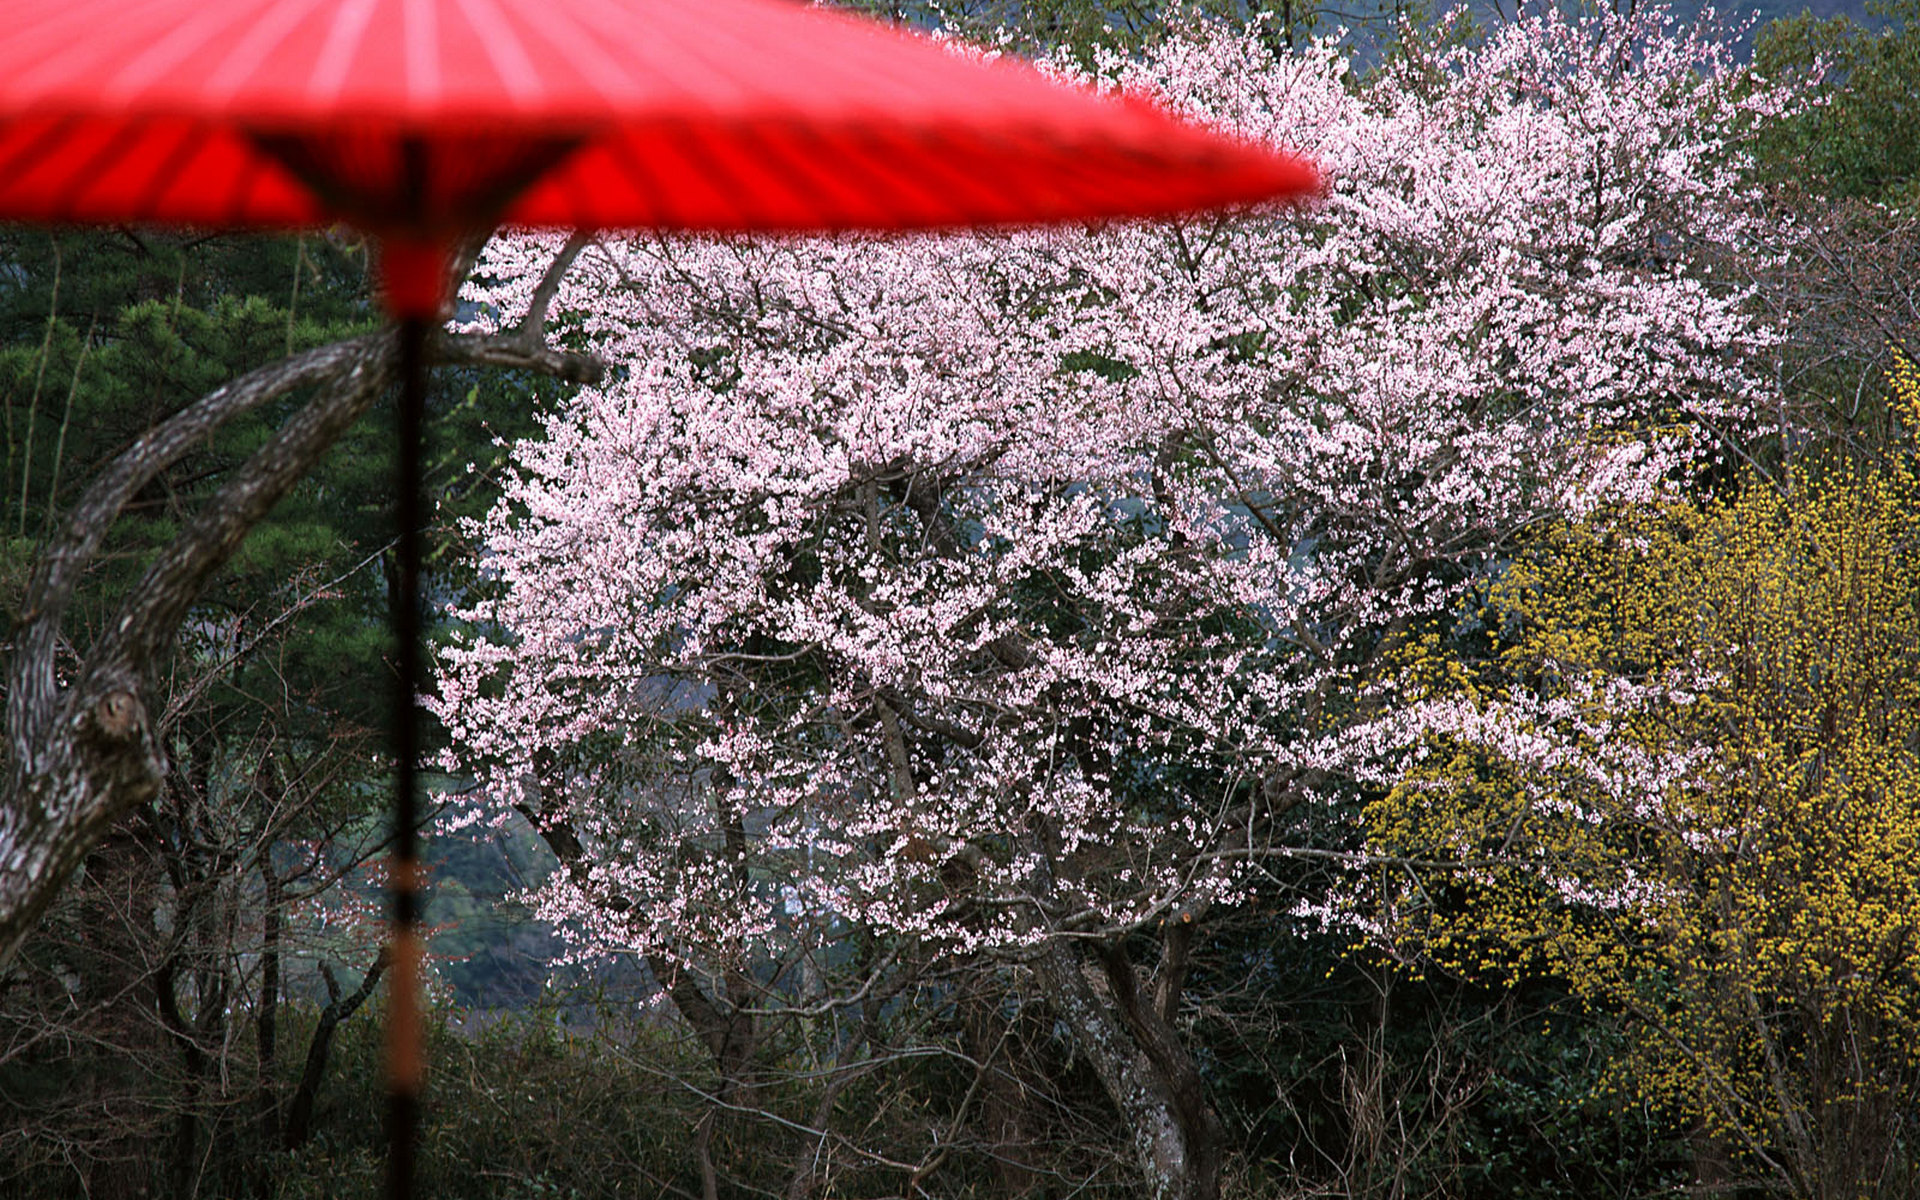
[[1683, 776]]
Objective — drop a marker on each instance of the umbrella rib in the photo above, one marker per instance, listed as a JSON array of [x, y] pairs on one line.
[[920, 147], [296, 155], [804, 179], [193, 139], [635, 168], [716, 175], [254, 48], [582, 51], [76, 181], [164, 57], [491, 191], [724, 51], [344, 36], [505, 53], [246, 182], [18, 163], [729, 164], [579, 197], [56, 52], [420, 33], [1087, 177], [675, 62]]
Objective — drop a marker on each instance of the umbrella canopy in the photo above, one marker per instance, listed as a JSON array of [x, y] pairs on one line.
[[426, 116]]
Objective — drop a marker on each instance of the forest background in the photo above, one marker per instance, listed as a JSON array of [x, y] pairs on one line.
[[1411, 699]]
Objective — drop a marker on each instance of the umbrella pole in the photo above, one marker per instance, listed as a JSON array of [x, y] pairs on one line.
[[404, 1051]]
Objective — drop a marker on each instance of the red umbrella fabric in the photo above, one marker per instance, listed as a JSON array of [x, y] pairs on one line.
[[424, 120], [422, 117]]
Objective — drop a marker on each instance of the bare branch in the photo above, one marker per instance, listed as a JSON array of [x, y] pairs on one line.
[[513, 352]]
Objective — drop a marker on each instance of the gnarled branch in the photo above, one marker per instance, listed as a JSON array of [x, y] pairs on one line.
[[82, 751]]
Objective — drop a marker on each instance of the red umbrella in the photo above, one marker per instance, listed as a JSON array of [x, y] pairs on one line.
[[423, 121]]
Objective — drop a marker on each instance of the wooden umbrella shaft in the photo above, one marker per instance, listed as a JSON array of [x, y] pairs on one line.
[[405, 1063]]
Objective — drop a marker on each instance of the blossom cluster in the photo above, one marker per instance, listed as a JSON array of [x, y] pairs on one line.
[[970, 588]]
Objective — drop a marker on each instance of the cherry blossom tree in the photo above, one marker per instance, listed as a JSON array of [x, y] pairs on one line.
[[1001, 600]]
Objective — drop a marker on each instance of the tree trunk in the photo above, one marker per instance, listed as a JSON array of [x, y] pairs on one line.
[[266, 1018], [338, 1009], [1146, 1072]]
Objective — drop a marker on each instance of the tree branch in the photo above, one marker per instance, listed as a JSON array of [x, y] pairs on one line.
[[146, 623], [79, 756], [533, 327], [72, 547]]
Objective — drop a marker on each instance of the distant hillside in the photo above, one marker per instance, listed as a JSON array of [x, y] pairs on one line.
[[1770, 10], [1773, 10], [1734, 12], [1366, 19]]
